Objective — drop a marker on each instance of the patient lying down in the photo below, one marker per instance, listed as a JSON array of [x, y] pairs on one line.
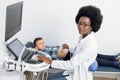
[[54, 51]]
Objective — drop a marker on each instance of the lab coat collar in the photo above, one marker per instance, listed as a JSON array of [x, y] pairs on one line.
[[85, 38]]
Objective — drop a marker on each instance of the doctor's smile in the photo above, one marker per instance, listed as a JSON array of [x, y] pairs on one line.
[[84, 27]]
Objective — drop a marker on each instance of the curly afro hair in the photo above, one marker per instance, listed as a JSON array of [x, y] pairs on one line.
[[93, 13]]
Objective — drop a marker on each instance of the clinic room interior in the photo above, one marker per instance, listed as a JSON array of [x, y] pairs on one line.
[[54, 21]]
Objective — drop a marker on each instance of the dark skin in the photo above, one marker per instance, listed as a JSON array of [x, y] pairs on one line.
[[84, 29]]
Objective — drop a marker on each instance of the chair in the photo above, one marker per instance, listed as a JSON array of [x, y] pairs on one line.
[[94, 66]]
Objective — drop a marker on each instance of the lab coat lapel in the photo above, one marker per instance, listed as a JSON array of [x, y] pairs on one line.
[[81, 43]]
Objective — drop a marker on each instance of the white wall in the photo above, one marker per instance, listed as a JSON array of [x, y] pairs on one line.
[[54, 21]]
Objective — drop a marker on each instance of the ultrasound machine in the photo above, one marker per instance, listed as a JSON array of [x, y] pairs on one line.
[[25, 58]]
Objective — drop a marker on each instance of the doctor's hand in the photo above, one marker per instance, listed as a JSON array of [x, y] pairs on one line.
[[45, 59], [61, 53]]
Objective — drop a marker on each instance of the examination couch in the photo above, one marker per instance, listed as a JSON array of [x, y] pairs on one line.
[[107, 72]]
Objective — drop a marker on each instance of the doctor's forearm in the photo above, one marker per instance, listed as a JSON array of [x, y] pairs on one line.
[[70, 64], [66, 65]]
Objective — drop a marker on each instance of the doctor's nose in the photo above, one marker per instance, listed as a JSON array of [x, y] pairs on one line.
[[80, 27]]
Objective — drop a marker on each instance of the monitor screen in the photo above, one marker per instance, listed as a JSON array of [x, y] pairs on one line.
[[13, 19], [15, 47]]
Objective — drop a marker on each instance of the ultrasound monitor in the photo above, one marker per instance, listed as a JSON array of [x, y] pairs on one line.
[[15, 47], [13, 19]]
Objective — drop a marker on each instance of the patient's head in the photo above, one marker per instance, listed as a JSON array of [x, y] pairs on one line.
[[39, 43]]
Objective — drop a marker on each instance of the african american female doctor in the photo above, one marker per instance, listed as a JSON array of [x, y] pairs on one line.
[[88, 20]]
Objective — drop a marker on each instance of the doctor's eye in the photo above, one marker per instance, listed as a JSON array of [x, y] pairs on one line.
[[83, 24]]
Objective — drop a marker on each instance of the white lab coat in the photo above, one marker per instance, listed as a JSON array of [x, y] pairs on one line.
[[84, 54]]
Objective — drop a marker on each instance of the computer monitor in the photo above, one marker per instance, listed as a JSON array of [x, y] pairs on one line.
[[13, 19], [16, 48]]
